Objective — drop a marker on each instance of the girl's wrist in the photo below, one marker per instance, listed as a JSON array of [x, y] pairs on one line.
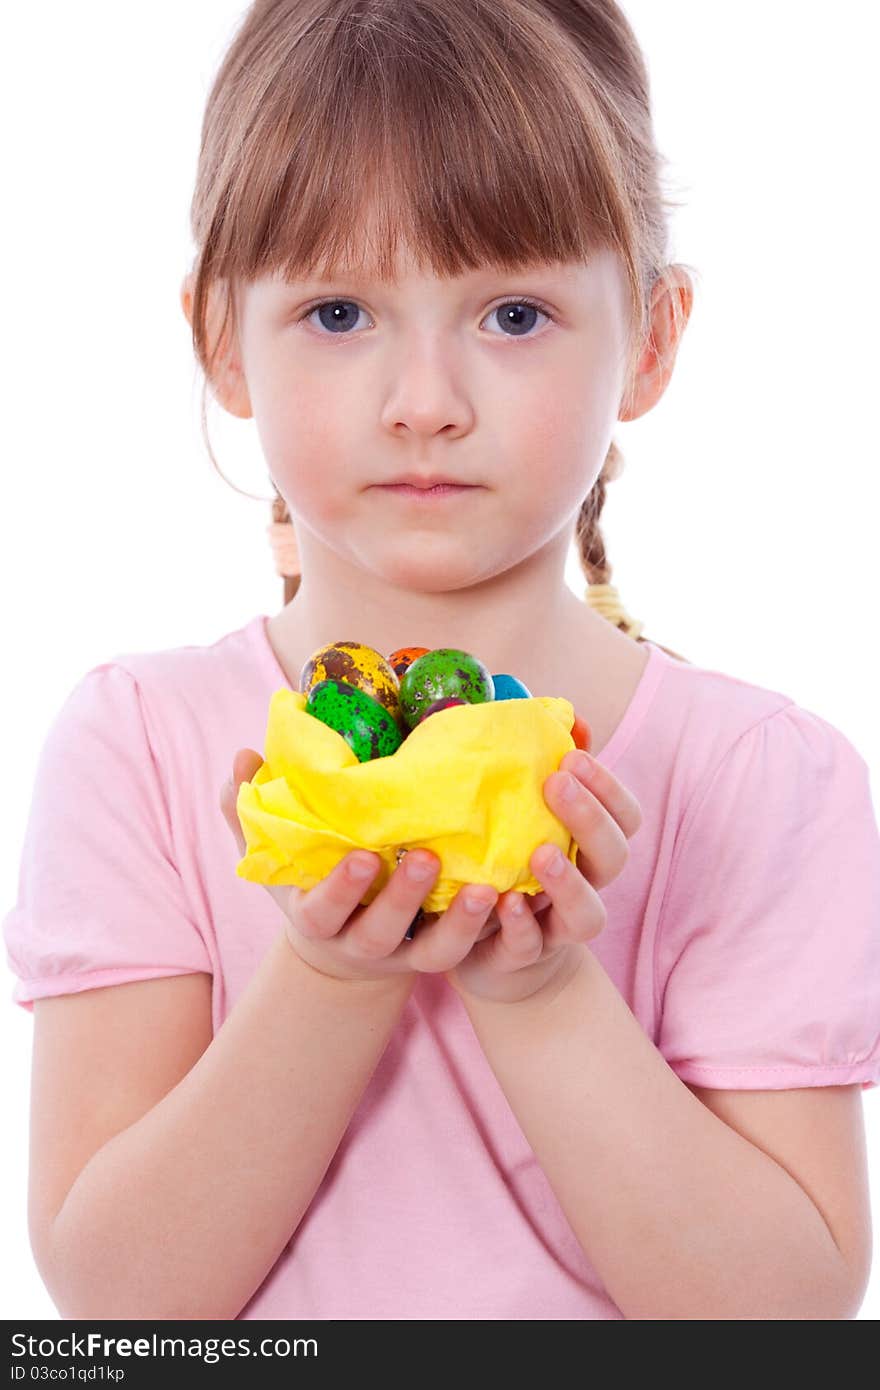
[[394, 985]]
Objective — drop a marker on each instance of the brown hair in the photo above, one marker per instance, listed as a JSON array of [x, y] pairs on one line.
[[427, 115]]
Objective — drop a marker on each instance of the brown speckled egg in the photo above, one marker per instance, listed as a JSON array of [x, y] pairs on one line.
[[356, 665], [401, 660]]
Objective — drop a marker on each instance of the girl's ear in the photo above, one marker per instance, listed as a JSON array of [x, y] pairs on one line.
[[186, 297], [654, 368], [228, 381]]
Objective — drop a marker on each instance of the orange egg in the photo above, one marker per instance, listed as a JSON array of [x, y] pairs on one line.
[[580, 732], [401, 660]]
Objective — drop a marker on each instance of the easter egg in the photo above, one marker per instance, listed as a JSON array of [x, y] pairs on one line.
[[404, 657], [439, 674], [509, 688], [361, 667], [581, 733], [441, 704], [367, 727]]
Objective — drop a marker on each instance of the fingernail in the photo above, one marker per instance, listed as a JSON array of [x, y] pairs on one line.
[[569, 789], [418, 869], [552, 864], [361, 867], [478, 901], [584, 766]]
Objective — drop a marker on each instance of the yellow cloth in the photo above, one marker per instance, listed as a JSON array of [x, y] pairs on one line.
[[465, 783]]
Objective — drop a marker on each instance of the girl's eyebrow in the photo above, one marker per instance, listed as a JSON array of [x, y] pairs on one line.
[[365, 276], [473, 279]]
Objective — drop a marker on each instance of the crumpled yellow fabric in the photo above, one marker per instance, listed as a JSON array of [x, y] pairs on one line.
[[465, 783]]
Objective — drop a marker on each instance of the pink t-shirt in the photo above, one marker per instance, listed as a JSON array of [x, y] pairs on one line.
[[743, 933]]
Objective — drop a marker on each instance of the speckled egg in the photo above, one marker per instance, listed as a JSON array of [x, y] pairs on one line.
[[447, 703], [401, 660], [581, 733], [356, 665], [439, 674], [509, 688], [367, 727]]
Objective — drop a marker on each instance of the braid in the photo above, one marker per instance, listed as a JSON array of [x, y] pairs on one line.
[[600, 593], [283, 540]]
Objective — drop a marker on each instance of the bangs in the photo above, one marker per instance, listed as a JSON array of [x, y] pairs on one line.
[[471, 136]]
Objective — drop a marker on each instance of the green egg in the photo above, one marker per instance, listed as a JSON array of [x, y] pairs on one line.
[[367, 727], [441, 674]]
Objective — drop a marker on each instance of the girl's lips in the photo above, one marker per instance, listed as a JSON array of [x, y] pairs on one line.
[[427, 494]]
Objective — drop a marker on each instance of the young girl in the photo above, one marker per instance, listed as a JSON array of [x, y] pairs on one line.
[[432, 246]]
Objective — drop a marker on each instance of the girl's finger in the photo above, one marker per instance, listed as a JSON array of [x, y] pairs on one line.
[[228, 799], [245, 764], [324, 910], [520, 942], [617, 799], [443, 940], [581, 911], [603, 848]]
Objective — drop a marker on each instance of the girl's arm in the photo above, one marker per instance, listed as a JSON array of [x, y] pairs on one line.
[[182, 1214], [682, 1216]]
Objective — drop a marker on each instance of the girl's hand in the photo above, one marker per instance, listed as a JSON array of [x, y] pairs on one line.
[[332, 932], [532, 948]]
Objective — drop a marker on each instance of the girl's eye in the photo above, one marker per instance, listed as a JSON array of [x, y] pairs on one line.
[[338, 315], [513, 318]]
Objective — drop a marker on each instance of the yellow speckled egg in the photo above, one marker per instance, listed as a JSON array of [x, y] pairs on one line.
[[356, 665]]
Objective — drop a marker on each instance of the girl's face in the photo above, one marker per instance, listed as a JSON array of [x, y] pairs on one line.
[[353, 382]]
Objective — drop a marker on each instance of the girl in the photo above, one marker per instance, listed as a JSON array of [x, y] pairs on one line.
[[432, 246]]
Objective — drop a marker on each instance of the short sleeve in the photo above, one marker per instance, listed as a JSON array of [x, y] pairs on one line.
[[100, 901], [767, 963]]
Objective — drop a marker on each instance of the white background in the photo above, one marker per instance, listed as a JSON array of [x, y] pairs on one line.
[[742, 532]]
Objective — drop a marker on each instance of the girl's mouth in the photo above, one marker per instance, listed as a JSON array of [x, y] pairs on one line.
[[425, 494]]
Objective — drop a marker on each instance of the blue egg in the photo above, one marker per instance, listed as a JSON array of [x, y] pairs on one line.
[[509, 688]]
